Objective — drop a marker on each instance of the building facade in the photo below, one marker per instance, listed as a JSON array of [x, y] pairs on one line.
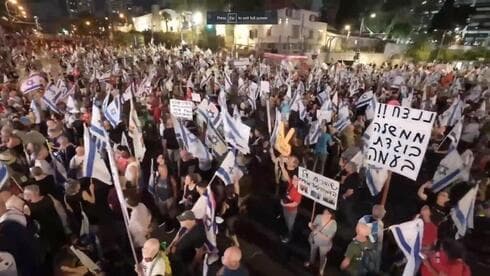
[[79, 7], [477, 30]]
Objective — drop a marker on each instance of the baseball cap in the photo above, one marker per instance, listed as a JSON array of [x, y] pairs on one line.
[[186, 215]]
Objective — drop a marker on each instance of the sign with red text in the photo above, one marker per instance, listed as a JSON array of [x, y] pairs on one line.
[[399, 138]]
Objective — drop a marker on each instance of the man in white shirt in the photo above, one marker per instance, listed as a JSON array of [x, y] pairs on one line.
[[139, 221]]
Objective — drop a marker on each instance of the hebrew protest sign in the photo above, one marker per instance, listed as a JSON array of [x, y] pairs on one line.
[[399, 138], [181, 109], [319, 188]]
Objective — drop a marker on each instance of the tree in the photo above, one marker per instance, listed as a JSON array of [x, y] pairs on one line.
[[420, 50], [400, 30]]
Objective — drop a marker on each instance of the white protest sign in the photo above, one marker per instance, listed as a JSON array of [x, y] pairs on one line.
[[196, 97], [399, 138], [319, 188], [181, 109]]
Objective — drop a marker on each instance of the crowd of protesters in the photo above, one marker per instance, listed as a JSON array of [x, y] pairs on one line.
[[57, 220]]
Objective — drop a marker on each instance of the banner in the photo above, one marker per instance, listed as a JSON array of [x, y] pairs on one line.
[[319, 188], [181, 109], [399, 138], [196, 97]]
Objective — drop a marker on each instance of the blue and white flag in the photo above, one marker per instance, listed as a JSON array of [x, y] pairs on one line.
[[93, 165], [96, 128], [371, 108], [343, 119], [335, 101], [211, 229], [365, 99], [136, 133], [60, 173], [463, 213], [454, 135], [228, 170], [236, 133], [468, 158], [322, 97], [375, 179], [51, 97], [448, 171], [314, 133], [228, 82], [32, 83], [4, 174], [190, 141], [36, 112], [408, 236], [112, 111], [453, 114]]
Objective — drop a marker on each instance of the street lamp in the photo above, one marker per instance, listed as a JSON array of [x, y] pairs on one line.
[[121, 15], [87, 23], [372, 15], [13, 2]]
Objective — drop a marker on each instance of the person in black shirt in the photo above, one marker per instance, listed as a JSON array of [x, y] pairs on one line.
[[170, 143], [190, 237], [348, 194]]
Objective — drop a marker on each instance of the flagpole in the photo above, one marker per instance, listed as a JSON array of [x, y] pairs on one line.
[[120, 196], [268, 109], [386, 189], [313, 211]]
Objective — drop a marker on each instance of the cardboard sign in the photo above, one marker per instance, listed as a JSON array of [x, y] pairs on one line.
[[319, 188], [181, 109], [399, 138], [242, 62], [196, 97]]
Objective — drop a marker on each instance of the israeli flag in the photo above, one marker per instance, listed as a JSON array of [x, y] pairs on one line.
[[364, 99], [236, 133], [228, 169], [314, 133], [96, 128], [211, 228], [448, 171], [375, 179], [335, 101], [136, 133], [71, 105], [463, 213], [275, 131], [51, 97], [453, 114], [322, 97], [93, 165], [468, 158], [32, 83], [343, 119], [370, 110], [454, 135], [408, 236], [112, 111], [191, 142], [36, 112], [60, 174], [407, 101], [228, 82], [104, 77], [4, 174]]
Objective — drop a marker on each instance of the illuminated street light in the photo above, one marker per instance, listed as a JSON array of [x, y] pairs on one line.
[[13, 2], [106, 18], [197, 18], [21, 8], [372, 15], [347, 27], [121, 15], [87, 23]]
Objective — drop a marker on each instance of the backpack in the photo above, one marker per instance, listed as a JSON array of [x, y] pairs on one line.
[[368, 264]]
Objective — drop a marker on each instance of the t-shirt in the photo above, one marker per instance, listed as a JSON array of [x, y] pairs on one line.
[[241, 271], [294, 196], [441, 263], [169, 136], [355, 253], [186, 247], [430, 234], [321, 146]]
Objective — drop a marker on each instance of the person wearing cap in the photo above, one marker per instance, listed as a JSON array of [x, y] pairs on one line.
[[376, 225], [189, 238]]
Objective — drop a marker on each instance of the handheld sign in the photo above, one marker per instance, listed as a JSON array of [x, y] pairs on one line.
[[181, 109], [282, 141], [196, 97], [399, 138], [319, 188]]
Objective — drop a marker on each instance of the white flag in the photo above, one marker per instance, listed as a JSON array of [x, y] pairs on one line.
[[136, 133], [463, 213], [448, 171], [228, 169], [408, 236], [93, 165]]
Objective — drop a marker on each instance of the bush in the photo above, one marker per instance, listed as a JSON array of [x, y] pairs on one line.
[[420, 50]]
